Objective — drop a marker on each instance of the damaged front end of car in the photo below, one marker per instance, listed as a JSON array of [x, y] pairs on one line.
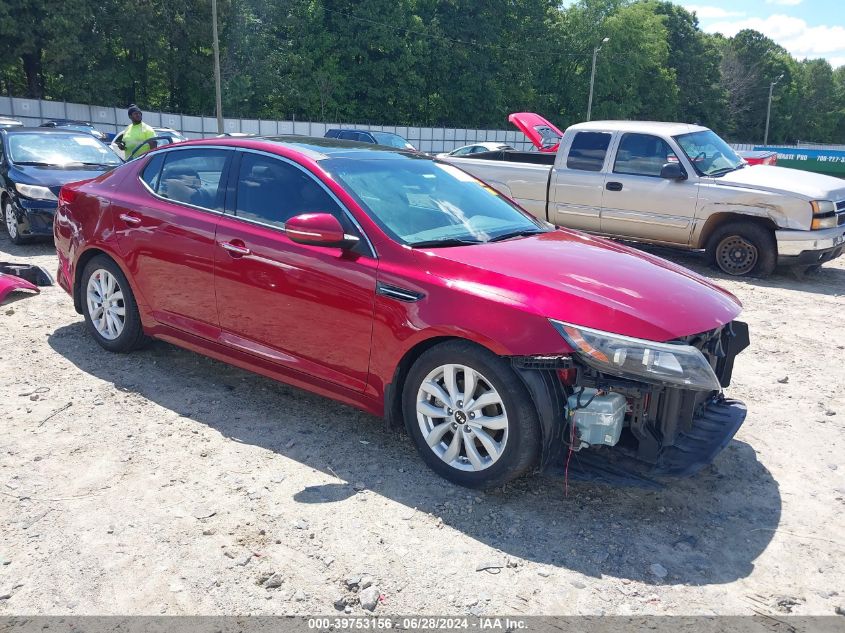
[[658, 407]]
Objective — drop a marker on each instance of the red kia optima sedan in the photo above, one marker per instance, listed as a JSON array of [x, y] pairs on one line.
[[407, 288]]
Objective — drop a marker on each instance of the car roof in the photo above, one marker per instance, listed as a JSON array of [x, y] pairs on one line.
[[348, 129], [44, 130], [69, 122], [653, 127], [316, 148]]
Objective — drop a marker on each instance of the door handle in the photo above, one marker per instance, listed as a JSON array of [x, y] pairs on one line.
[[234, 249], [130, 219], [613, 186]]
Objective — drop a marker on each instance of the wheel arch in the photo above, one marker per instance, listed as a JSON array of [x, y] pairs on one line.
[[81, 262], [718, 220], [393, 390]]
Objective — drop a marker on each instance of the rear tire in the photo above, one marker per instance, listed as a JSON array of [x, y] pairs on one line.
[[470, 416], [743, 249], [109, 307]]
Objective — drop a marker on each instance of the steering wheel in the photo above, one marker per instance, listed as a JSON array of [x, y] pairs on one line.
[[155, 139], [699, 156]]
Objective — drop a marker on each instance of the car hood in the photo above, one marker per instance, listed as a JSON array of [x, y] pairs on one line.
[[54, 177], [589, 281], [787, 181], [527, 122]]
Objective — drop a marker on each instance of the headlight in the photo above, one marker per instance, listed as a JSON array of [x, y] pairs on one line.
[[660, 363], [35, 192], [824, 214]]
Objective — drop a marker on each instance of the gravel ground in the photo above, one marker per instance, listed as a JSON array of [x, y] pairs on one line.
[[165, 482]]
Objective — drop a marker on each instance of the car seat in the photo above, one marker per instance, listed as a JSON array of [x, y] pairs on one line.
[[182, 184]]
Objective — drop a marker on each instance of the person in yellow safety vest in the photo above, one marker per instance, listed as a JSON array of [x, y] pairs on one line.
[[135, 134]]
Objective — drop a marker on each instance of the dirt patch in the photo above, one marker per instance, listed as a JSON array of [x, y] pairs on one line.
[[166, 482]]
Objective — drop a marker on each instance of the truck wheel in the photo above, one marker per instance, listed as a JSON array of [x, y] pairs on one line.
[[469, 415], [743, 248]]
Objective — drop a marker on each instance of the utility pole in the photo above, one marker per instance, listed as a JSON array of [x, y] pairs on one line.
[[593, 77], [217, 93], [769, 109]]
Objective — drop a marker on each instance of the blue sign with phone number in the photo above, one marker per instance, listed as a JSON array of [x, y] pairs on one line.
[[831, 161]]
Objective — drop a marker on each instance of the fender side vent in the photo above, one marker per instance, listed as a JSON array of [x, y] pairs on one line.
[[395, 292]]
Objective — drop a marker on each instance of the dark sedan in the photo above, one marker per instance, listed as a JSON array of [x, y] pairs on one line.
[[388, 139], [34, 164], [79, 126]]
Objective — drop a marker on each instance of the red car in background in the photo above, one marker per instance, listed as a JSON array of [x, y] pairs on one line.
[[407, 288], [759, 157]]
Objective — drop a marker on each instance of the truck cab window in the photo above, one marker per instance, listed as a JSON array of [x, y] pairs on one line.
[[642, 155], [588, 151]]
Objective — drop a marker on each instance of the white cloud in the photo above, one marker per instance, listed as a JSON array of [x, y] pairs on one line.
[[788, 3], [794, 34], [705, 12]]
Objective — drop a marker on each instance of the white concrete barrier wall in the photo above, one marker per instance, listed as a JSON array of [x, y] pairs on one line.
[[33, 112]]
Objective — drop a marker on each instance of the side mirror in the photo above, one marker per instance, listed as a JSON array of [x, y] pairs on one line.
[[318, 229], [673, 171]]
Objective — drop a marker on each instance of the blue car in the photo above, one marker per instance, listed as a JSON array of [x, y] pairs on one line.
[[34, 164]]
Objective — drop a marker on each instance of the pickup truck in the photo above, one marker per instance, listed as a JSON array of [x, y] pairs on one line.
[[672, 184]]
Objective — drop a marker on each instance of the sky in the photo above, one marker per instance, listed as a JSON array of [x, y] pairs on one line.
[[806, 28]]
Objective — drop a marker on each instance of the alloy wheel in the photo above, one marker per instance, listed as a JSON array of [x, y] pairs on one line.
[[106, 306], [11, 220], [462, 417]]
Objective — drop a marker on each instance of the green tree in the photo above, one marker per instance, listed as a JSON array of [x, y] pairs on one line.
[[750, 63], [814, 116], [633, 77], [695, 59]]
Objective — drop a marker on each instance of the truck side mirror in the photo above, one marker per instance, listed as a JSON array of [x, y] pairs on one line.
[[673, 171]]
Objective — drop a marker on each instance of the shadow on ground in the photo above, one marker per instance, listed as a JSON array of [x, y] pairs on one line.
[[705, 530]]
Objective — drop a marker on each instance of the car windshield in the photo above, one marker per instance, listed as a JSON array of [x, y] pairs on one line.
[[424, 203], [709, 154], [391, 140], [60, 150]]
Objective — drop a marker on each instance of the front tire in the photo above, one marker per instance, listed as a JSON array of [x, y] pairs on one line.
[[470, 416], [10, 221], [743, 249], [109, 307]]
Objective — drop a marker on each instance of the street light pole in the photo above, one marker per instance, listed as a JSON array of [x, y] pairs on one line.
[[217, 92], [769, 109], [593, 77]]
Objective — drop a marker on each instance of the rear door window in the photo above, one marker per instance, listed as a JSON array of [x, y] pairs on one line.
[[195, 177], [588, 151], [271, 191], [642, 155], [152, 171]]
